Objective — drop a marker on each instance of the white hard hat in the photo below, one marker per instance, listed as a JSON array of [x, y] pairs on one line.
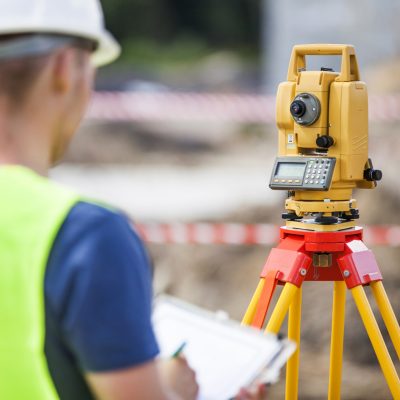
[[80, 18]]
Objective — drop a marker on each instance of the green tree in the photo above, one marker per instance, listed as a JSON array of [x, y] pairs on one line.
[[220, 23]]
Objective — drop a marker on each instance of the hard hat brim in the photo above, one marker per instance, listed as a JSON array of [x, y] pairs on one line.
[[108, 50], [32, 46]]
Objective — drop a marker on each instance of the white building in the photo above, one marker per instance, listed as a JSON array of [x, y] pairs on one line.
[[373, 26]]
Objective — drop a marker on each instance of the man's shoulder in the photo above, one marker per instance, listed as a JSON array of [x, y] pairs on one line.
[[88, 220], [92, 231], [86, 212]]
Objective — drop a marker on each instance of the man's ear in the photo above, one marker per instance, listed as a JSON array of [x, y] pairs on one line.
[[63, 70]]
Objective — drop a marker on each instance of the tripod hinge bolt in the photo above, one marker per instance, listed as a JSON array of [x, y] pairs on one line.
[[303, 272], [346, 273]]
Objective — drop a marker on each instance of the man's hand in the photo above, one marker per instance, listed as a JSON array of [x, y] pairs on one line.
[[156, 380], [257, 392], [139, 382], [179, 378]]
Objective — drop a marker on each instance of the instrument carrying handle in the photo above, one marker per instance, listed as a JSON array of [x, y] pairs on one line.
[[349, 68]]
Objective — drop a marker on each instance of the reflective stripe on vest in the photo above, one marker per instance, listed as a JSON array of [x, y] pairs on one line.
[[32, 210]]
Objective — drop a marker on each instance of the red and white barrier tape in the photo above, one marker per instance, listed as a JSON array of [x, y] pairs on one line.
[[203, 233], [181, 107], [243, 234]]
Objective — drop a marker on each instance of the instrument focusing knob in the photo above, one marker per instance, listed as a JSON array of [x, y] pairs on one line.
[[325, 141]]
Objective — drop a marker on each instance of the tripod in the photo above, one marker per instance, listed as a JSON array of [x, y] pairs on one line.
[[339, 256]]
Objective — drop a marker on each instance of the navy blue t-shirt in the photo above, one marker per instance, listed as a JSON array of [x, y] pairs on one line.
[[98, 299]]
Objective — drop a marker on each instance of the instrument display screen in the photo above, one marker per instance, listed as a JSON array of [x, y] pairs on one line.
[[302, 173], [295, 170]]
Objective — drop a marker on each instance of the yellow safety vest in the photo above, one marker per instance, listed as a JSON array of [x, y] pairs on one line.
[[32, 210]]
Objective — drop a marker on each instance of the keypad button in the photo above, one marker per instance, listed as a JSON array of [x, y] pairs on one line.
[[306, 181], [321, 182], [311, 181]]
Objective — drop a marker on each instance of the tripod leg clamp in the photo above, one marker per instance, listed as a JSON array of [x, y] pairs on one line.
[[265, 299]]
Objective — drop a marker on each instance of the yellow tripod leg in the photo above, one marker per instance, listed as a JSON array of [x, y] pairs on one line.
[[337, 335], [387, 313], [292, 368], [281, 308], [377, 341], [252, 308]]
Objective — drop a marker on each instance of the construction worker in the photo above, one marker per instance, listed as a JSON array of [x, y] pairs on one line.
[[75, 282]]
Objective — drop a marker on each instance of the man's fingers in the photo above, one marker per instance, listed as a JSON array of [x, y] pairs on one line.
[[243, 395], [255, 393], [262, 389], [182, 359]]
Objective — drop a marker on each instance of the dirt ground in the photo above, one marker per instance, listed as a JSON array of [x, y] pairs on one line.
[[224, 277]]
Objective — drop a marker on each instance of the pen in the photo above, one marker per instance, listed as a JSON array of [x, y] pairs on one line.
[[179, 350]]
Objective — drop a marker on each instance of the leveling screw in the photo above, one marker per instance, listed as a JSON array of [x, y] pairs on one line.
[[346, 273], [303, 272]]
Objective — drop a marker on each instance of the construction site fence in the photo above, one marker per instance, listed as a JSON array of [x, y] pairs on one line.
[[244, 234], [209, 107]]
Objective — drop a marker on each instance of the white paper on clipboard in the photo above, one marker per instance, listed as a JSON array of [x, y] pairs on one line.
[[225, 355]]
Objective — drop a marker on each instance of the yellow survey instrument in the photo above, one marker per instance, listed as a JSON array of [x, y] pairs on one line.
[[322, 117]]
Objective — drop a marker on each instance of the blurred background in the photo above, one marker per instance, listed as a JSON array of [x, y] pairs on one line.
[[180, 134]]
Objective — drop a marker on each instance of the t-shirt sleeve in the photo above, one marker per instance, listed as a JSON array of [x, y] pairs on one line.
[[98, 287]]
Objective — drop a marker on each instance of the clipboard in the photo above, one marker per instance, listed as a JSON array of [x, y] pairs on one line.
[[225, 355]]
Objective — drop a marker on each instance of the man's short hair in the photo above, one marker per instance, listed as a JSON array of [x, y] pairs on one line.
[[23, 57]]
